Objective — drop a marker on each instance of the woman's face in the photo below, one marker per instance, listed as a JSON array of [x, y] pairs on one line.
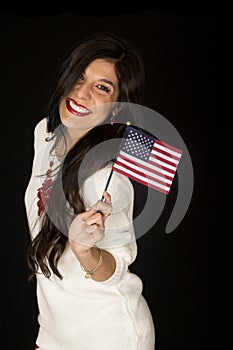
[[92, 98]]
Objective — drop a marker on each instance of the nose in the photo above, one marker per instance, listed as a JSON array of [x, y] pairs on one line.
[[83, 91]]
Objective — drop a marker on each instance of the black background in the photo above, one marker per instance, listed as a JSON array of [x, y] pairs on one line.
[[181, 48]]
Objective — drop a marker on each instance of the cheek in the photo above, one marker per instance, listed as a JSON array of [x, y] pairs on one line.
[[102, 112]]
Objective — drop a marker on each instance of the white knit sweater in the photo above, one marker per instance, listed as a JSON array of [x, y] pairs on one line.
[[81, 314]]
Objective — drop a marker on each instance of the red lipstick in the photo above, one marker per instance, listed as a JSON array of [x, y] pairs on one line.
[[76, 108]]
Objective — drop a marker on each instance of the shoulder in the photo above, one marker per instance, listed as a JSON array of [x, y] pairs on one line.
[[41, 127], [40, 132]]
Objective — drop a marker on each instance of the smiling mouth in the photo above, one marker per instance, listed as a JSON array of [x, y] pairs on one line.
[[77, 109]]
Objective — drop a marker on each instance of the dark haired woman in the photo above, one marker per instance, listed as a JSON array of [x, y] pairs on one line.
[[81, 247]]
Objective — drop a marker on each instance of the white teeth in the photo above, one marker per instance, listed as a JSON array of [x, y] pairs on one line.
[[78, 108]]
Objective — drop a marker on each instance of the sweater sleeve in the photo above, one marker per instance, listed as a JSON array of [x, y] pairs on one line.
[[119, 237], [40, 135], [30, 196]]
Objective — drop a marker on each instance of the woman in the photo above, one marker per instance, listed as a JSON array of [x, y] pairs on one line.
[[82, 237]]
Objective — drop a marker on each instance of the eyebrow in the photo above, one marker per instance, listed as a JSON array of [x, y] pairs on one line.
[[108, 82]]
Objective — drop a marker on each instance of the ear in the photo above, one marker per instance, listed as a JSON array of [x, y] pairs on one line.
[[116, 110]]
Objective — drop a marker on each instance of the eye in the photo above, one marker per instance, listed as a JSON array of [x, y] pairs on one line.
[[81, 77], [103, 87]]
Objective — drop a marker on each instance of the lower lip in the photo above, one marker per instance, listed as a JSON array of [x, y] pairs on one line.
[[72, 111]]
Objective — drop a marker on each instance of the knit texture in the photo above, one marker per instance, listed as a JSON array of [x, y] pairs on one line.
[[81, 314]]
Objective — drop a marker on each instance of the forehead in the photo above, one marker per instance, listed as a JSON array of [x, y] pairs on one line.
[[102, 68]]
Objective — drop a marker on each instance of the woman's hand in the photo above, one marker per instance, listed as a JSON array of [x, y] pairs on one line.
[[88, 227]]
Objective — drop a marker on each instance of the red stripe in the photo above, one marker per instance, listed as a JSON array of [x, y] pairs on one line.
[[162, 160], [145, 167], [168, 146], [163, 167], [141, 173], [37, 347], [172, 156], [142, 182]]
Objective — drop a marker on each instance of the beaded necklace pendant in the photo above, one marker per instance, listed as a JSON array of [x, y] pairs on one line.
[[43, 192]]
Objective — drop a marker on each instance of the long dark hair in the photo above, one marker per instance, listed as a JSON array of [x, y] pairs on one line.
[[128, 67], [45, 250]]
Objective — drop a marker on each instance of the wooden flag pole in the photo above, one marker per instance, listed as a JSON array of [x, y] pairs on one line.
[[110, 175], [107, 183]]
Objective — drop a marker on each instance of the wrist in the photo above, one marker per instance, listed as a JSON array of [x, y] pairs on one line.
[[86, 254], [90, 271]]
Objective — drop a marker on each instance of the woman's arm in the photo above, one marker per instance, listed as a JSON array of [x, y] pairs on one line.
[[114, 233], [84, 232]]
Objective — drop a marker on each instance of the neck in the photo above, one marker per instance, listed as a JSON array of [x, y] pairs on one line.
[[72, 136]]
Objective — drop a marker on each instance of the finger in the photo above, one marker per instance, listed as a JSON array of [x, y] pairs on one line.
[[91, 229], [87, 214], [95, 233], [107, 197], [95, 219], [104, 208], [77, 226]]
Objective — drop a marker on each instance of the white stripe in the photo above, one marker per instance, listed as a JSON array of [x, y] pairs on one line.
[[162, 178], [155, 160], [151, 166], [170, 159], [174, 153], [141, 177]]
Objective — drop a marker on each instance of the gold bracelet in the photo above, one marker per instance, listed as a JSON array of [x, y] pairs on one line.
[[89, 273]]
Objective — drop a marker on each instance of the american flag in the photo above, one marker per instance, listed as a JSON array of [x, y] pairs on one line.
[[147, 160]]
